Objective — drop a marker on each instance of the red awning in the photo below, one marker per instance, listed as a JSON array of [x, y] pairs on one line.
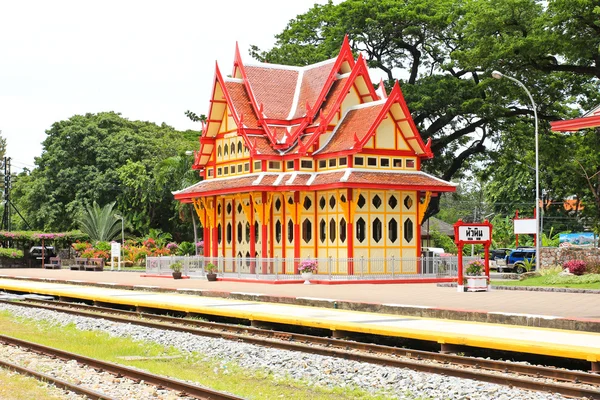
[[576, 124]]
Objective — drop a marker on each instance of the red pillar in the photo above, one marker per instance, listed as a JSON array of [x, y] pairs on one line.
[[487, 263], [297, 231], [350, 233], [459, 282], [517, 235], [215, 244], [263, 233], [252, 236]]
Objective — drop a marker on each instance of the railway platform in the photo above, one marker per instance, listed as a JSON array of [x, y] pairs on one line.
[[559, 310], [264, 304]]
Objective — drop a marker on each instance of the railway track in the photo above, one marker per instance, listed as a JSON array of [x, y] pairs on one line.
[[120, 371], [566, 382]]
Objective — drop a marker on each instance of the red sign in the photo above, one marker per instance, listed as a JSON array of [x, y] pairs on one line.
[[472, 233]]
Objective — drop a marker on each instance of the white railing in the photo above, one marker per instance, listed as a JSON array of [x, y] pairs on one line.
[[328, 268]]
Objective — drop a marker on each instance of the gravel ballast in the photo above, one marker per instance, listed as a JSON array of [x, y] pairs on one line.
[[313, 369]]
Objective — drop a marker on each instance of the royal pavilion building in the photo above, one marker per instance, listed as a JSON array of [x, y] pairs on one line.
[[310, 162]]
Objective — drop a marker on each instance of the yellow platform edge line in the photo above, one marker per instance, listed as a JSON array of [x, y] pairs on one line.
[[522, 346]]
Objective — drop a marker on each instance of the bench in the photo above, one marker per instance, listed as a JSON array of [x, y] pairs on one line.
[[79, 263], [88, 264], [94, 264], [54, 263]]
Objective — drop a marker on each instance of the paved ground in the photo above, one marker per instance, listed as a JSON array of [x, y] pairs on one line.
[[565, 305]]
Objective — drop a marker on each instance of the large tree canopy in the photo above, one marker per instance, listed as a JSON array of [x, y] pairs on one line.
[[443, 53], [104, 158]]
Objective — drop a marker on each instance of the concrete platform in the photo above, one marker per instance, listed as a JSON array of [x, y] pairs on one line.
[[543, 341], [575, 311]]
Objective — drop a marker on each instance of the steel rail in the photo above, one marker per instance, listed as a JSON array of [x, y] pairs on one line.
[[236, 332], [120, 370], [56, 381], [371, 353]]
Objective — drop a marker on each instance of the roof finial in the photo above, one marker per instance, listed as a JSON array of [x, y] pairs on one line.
[[382, 88]]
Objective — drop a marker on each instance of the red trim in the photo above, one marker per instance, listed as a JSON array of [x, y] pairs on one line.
[[338, 185], [297, 237], [340, 282], [360, 68], [233, 230], [350, 233], [575, 124], [162, 276]]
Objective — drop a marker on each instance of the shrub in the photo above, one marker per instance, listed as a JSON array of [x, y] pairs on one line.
[[11, 253], [102, 246], [186, 249], [80, 246], [475, 268], [593, 267], [570, 279], [308, 266], [552, 270], [172, 247], [576, 267], [176, 266], [210, 268], [88, 253]]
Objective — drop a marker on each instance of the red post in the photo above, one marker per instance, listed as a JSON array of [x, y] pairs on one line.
[[517, 235], [252, 238], [487, 263], [459, 282], [350, 232]]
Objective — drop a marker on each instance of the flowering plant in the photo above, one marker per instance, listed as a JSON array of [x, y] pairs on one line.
[[200, 243], [475, 268], [576, 267], [308, 266]]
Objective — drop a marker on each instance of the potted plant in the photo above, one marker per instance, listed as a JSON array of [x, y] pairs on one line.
[[211, 271], [176, 267], [475, 279], [307, 268]]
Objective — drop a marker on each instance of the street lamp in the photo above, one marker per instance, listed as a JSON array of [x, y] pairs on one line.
[[122, 235], [538, 255]]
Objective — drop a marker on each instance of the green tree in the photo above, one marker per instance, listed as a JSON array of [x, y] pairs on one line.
[[2, 146], [443, 53], [175, 173], [100, 223], [103, 158]]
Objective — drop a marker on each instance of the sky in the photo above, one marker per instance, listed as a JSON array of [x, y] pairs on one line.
[[149, 60]]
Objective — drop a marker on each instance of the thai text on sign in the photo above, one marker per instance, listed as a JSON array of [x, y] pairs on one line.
[[473, 233]]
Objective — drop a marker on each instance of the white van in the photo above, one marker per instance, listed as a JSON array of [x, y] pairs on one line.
[[437, 251]]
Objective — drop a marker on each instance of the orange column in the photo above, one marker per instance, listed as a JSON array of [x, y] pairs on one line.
[[233, 232], [297, 231], [215, 244], [252, 238], [350, 232]]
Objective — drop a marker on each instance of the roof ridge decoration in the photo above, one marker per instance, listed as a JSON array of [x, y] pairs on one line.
[[395, 97], [360, 68], [345, 55]]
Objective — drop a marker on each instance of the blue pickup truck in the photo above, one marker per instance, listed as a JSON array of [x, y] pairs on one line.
[[515, 260]]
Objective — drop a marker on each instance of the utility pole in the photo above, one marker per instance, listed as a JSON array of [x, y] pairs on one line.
[[6, 198]]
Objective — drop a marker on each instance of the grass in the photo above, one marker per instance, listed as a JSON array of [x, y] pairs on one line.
[[221, 375], [587, 281], [14, 386]]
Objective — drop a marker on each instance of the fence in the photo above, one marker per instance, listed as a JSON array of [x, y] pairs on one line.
[[328, 268]]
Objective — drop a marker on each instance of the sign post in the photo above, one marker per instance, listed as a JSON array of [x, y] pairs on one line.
[[473, 233], [115, 252]]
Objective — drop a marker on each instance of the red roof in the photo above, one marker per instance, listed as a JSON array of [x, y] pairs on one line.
[[355, 124], [273, 88], [576, 124], [241, 103], [286, 181]]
